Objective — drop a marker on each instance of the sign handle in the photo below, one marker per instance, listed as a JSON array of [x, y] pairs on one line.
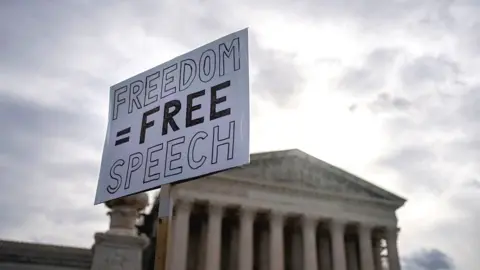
[[163, 228]]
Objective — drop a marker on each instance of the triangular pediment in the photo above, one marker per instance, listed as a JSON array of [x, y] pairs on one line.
[[298, 169]]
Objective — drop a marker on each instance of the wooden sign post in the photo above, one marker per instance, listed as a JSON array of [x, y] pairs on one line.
[[163, 228]]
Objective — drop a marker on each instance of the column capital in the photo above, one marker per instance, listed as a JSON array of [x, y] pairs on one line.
[[366, 227], [248, 208], [184, 204], [215, 208], [277, 216], [392, 232], [308, 220], [338, 224], [247, 211]]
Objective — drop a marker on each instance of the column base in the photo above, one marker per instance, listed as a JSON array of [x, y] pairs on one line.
[[116, 251]]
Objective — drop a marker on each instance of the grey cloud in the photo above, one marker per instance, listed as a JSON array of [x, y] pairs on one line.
[[470, 109], [353, 107], [428, 69], [473, 184], [278, 78], [386, 15], [435, 151], [370, 76], [416, 165], [459, 232], [32, 135], [384, 102], [34, 32], [24, 122], [433, 259]]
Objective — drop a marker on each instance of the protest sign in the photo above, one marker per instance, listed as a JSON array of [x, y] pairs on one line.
[[182, 119]]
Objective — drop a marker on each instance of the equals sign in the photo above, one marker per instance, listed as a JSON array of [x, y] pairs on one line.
[[121, 133]]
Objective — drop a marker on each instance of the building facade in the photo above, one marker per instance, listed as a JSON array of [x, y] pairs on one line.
[[285, 210]]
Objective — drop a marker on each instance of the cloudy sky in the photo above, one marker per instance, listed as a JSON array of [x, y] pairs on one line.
[[385, 89]]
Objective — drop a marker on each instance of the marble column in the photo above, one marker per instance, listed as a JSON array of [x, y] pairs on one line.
[[214, 234], [247, 216], [366, 250], [309, 243], [276, 241], [352, 256], [180, 235], [377, 255], [337, 230], [324, 253], [393, 260]]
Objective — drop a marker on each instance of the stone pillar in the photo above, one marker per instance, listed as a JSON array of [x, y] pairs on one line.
[[247, 217], [180, 235], [214, 236], [324, 253], [276, 241], [352, 256], [337, 229], [309, 243], [366, 250], [377, 256], [120, 247], [393, 260]]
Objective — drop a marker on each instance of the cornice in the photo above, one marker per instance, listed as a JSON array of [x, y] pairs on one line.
[[296, 190], [307, 159]]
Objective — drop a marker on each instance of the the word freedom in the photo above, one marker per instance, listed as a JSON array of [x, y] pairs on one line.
[[176, 78]]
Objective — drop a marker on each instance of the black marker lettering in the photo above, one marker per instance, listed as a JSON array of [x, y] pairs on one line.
[[190, 109], [150, 88], [146, 124], [168, 116], [233, 49], [170, 157], [115, 176], [152, 164], [207, 66], [136, 88], [229, 141], [187, 66], [168, 79], [192, 162], [134, 163], [214, 101], [118, 100]]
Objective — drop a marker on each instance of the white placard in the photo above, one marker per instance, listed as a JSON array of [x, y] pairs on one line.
[[182, 119]]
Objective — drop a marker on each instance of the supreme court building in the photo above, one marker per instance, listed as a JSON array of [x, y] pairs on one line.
[[286, 210]]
